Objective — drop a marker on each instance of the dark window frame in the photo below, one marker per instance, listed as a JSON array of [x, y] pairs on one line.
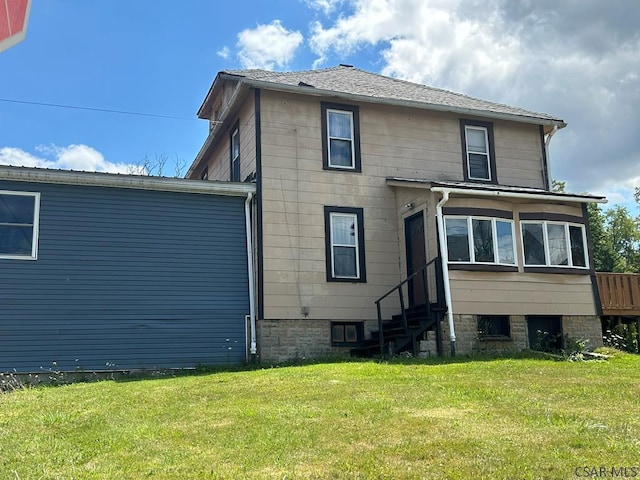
[[360, 257], [234, 170], [488, 127], [355, 112], [494, 327], [343, 326], [34, 225]]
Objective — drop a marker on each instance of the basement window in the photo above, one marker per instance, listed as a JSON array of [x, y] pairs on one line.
[[346, 334], [494, 327]]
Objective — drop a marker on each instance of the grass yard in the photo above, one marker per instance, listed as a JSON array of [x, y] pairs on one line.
[[493, 418]]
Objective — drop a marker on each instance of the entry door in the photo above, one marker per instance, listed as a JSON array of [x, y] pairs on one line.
[[416, 256]]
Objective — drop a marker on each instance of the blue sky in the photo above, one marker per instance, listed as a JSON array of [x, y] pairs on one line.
[[577, 59]]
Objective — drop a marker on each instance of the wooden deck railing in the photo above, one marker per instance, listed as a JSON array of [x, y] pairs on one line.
[[619, 293]]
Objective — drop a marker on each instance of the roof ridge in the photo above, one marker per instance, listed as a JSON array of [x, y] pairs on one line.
[[292, 72]]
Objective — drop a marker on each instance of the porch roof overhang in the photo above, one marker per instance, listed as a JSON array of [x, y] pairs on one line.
[[486, 190]]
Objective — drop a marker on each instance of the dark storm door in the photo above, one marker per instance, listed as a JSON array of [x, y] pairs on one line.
[[416, 256]]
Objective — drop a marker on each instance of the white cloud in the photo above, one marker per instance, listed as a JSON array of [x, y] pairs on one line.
[[72, 157], [268, 46], [223, 52], [424, 41], [20, 158], [327, 6]]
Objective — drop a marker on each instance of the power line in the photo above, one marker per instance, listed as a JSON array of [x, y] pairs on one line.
[[104, 110]]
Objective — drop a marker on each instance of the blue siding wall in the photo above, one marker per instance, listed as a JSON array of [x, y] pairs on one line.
[[126, 279]]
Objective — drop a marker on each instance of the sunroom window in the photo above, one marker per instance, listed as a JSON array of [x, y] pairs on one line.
[[480, 240], [557, 244]]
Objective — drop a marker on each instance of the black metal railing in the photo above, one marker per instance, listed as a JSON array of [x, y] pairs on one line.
[[429, 305]]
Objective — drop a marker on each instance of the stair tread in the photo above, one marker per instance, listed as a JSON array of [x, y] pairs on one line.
[[419, 319]]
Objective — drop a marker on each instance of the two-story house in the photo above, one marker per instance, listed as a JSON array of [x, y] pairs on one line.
[[362, 180]]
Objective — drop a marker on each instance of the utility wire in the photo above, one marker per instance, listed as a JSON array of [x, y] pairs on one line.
[[105, 110]]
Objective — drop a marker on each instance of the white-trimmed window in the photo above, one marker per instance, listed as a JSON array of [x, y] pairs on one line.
[[556, 244], [478, 157], [344, 237], [340, 131], [483, 240], [19, 217]]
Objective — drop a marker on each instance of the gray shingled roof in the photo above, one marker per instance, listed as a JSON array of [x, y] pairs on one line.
[[353, 81]]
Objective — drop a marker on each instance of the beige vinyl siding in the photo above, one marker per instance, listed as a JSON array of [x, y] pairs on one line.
[[394, 141], [518, 151], [295, 191], [486, 293], [410, 143], [218, 163]]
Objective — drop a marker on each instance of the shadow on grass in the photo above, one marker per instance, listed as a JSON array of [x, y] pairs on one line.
[[15, 381]]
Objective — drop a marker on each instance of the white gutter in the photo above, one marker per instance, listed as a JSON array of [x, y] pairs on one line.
[[528, 196], [252, 310], [442, 237], [547, 141]]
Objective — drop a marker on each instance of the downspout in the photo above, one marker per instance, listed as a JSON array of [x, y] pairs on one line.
[[547, 141], [445, 268], [252, 310]]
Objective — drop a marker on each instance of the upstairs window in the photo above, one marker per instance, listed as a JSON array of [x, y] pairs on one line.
[[340, 137], [19, 216], [344, 242], [557, 244], [480, 240], [478, 153], [235, 153]]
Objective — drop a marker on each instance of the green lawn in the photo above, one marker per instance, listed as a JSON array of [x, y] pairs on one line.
[[493, 418]]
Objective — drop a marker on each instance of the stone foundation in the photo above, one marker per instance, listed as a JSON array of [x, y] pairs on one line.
[[297, 339], [578, 327], [583, 327]]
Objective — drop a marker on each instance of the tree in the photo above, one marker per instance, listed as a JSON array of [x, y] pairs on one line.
[[557, 186], [615, 236], [158, 166], [604, 257], [624, 236]]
